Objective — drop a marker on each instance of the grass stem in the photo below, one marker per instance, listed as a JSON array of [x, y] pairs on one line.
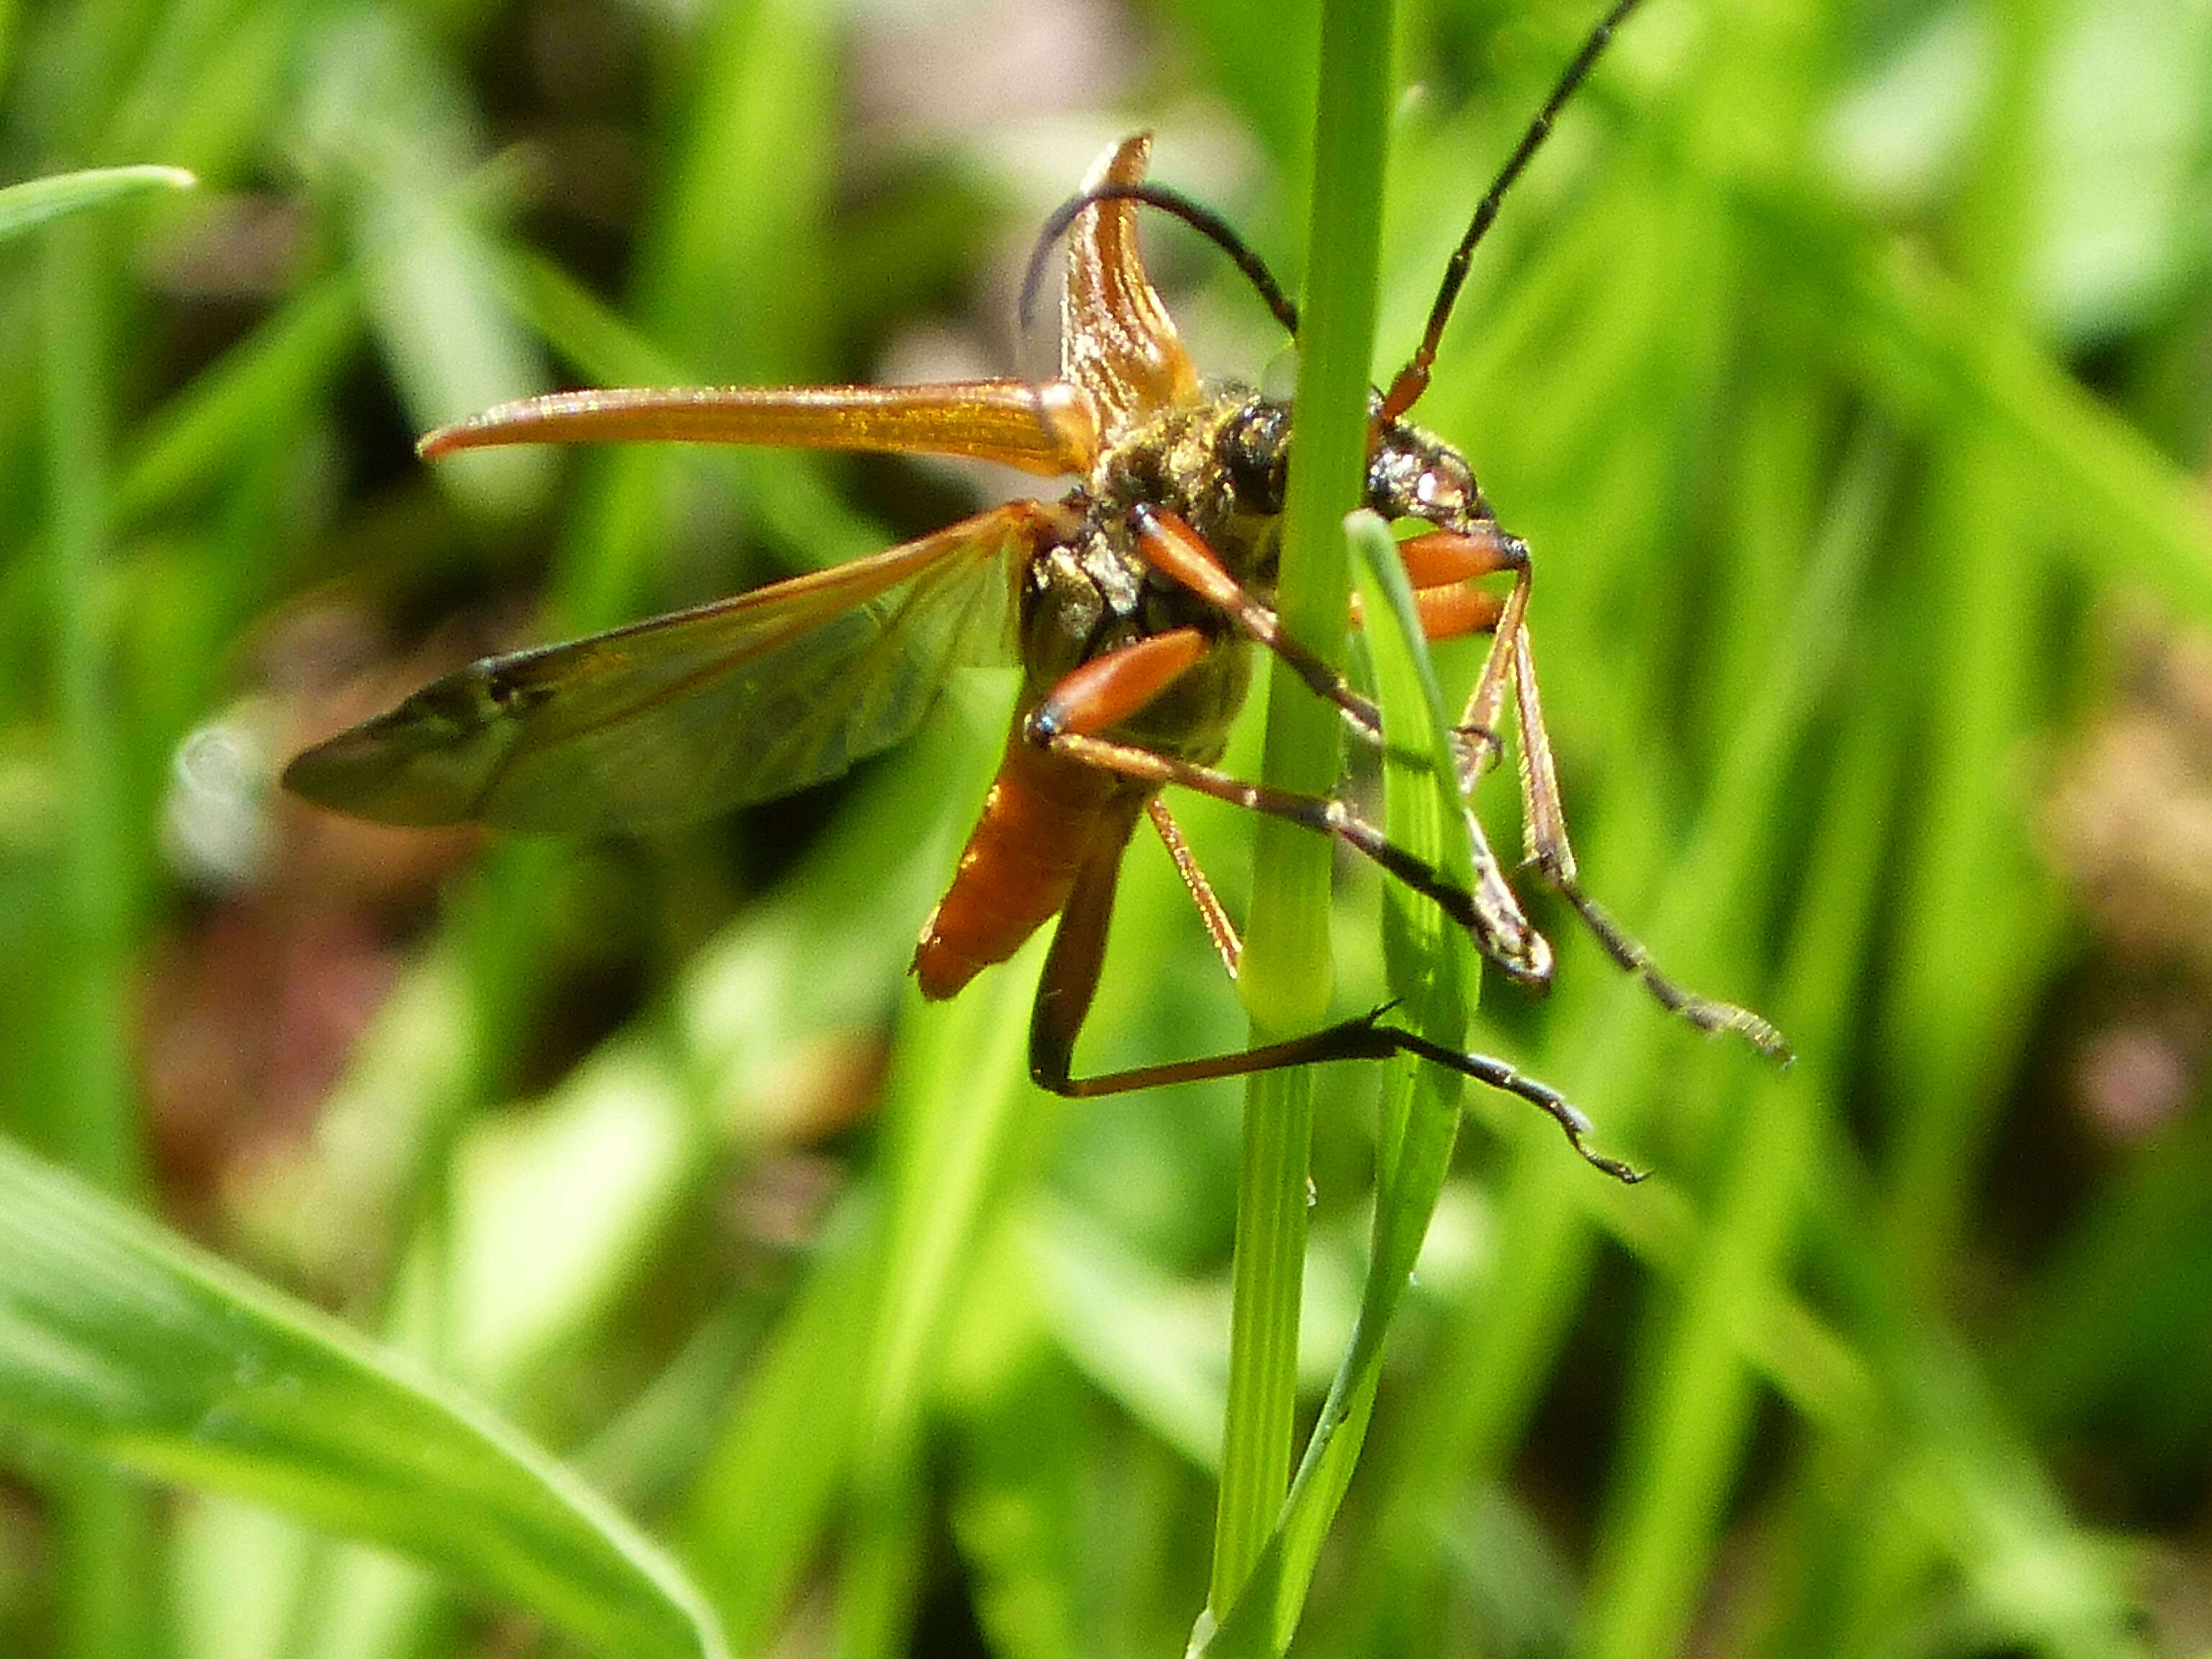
[[1285, 978]]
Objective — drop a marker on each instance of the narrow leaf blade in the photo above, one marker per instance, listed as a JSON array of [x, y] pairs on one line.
[[36, 201], [122, 1339], [1421, 1109]]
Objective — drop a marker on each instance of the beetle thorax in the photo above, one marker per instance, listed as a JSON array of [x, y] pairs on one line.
[[1223, 467]]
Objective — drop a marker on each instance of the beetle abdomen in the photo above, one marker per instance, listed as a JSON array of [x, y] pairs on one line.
[[1041, 818]]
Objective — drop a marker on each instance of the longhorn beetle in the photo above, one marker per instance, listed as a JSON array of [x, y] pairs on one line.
[[1133, 604]]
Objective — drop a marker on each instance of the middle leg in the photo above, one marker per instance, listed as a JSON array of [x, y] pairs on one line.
[[1064, 722], [1504, 936], [1439, 563]]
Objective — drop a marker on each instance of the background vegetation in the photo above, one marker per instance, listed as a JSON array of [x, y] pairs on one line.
[[1849, 369]]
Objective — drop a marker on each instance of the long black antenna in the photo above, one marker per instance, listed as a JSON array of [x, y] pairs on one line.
[[1206, 222], [1414, 379]]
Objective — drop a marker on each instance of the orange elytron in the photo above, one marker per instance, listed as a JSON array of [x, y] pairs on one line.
[[1133, 604]]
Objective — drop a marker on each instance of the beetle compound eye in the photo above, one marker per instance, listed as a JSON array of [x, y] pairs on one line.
[[1445, 490], [1255, 449]]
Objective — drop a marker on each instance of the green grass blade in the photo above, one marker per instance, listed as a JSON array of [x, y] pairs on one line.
[[37, 201], [1506, 1340], [1427, 958], [104, 1525], [1127, 1326], [811, 523], [1967, 951], [843, 1373], [962, 1126], [1285, 972], [121, 1339], [229, 408], [1921, 344], [1693, 1430], [765, 1491]]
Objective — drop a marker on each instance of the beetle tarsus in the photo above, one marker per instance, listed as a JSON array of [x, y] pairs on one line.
[[1709, 1014], [1496, 1073]]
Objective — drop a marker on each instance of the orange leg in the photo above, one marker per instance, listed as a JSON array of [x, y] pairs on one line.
[[1436, 558], [1495, 923], [1440, 563], [1449, 611], [1106, 690], [1109, 689], [1100, 695], [1043, 816], [1219, 927], [1454, 611], [1176, 551]]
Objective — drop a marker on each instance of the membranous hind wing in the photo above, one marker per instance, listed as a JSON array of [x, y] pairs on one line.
[[740, 700]]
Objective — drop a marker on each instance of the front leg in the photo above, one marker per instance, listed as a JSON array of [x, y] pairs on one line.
[[1440, 565], [1171, 547], [1544, 821]]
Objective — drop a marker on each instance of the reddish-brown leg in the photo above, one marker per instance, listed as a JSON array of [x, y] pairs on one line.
[[1101, 694], [1071, 980], [1171, 547], [1504, 937], [1219, 927], [1545, 831], [1451, 611], [1435, 558], [1106, 690]]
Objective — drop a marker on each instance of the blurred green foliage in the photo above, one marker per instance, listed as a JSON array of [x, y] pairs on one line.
[[1850, 370]]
